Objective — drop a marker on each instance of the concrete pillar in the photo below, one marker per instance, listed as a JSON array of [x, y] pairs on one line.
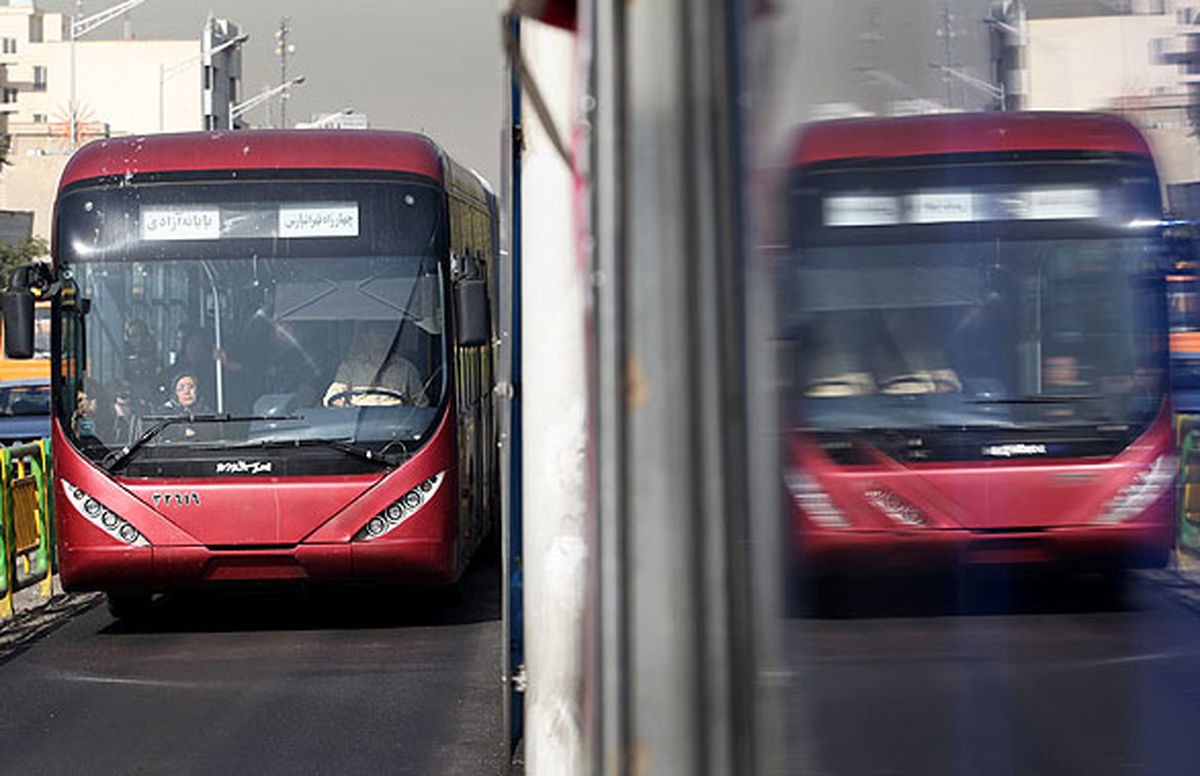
[[555, 402]]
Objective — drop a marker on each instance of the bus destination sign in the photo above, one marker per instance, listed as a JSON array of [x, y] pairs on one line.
[[177, 223], [290, 220]]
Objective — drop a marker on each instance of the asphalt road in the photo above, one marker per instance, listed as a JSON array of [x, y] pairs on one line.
[[998, 675], [346, 681]]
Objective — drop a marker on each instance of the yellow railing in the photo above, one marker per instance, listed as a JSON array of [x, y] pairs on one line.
[[27, 539]]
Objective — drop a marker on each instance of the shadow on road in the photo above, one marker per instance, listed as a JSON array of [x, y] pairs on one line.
[[963, 592], [475, 599]]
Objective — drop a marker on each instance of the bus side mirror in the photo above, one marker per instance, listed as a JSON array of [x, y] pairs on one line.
[[474, 322], [18, 323]]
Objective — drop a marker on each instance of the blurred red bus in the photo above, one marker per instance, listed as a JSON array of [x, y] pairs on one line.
[[272, 360], [978, 337]]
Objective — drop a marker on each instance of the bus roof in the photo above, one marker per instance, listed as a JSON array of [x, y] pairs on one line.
[[257, 149], [956, 133]]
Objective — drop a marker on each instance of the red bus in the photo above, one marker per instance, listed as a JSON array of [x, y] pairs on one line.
[[272, 360], [978, 344]]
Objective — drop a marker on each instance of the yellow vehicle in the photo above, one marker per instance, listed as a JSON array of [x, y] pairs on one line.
[[39, 365]]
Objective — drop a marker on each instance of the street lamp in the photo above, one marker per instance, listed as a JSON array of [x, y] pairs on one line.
[[990, 89], [165, 72], [81, 27], [236, 111]]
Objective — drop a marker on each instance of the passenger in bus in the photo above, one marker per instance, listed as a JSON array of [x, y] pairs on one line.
[[195, 352], [142, 369], [374, 373], [117, 425], [83, 419], [185, 394], [185, 399], [103, 415], [1064, 373]]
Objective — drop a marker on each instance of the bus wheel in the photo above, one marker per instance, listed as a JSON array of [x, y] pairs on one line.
[[129, 605]]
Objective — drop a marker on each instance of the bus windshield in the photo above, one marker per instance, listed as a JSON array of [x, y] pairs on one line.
[[1040, 323], [198, 319]]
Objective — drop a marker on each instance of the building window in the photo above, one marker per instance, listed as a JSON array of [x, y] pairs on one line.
[[10, 45], [1158, 48], [10, 95], [39, 118], [39, 77], [208, 77]]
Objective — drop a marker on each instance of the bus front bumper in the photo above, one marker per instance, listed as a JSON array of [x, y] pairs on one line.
[[1107, 547], [162, 568]]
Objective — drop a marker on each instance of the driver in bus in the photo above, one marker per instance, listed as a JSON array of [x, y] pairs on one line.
[[910, 357], [374, 373]]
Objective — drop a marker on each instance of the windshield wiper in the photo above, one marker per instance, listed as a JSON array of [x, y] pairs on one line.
[[1039, 398], [116, 458], [381, 458]]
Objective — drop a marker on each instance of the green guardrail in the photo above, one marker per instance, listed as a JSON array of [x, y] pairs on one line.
[[27, 539], [1187, 436]]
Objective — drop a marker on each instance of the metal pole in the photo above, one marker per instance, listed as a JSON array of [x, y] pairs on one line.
[[73, 128], [162, 80], [947, 36], [1016, 79], [284, 31], [218, 344], [554, 425], [240, 109], [690, 676], [602, 31], [208, 81], [510, 466]]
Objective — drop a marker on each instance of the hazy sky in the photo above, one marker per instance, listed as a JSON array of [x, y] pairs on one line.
[[812, 56], [431, 65], [435, 65]]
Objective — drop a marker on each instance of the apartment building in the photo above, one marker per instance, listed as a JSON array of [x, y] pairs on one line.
[[118, 87], [1133, 57]]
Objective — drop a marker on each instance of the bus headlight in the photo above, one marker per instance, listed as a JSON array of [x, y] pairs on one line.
[[102, 517], [1147, 487], [813, 500], [897, 509], [400, 510]]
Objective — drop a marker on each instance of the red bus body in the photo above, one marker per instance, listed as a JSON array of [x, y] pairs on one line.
[[1044, 513], [210, 529], [1006, 500]]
